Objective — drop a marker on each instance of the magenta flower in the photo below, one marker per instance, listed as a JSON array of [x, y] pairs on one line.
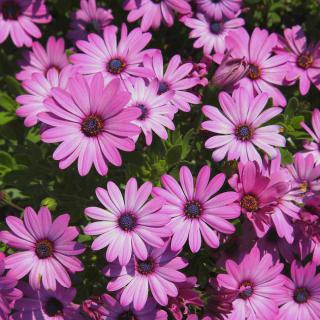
[[175, 78], [303, 60], [153, 13], [219, 8], [211, 33], [88, 19], [19, 17], [46, 304], [91, 123], [301, 298], [159, 273], [313, 147], [47, 248], [127, 225], [194, 211], [156, 110], [265, 70], [114, 60], [239, 128], [259, 284], [41, 60]]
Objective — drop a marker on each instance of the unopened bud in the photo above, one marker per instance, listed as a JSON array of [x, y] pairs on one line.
[[50, 203]]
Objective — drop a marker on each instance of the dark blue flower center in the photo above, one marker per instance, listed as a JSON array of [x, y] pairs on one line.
[[216, 27], [301, 295], [53, 307], [146, 266], [244, 132], [144, 111], [116, 66], [10, 10], [163, 87], [92, 126], [44, 249], [128, 315], [93, 27], [246, 290], [127, 222], [254, 72], [192, 209]]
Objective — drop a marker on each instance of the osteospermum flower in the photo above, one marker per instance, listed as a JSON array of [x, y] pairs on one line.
[[239, 128], [265, 70], [211, 33], [41, 60], [19, 17], [175, 78], [88, 19], [46, 304], [301, 298], [154, 12], [91, 123], [258, 282], [114, 60], [156, 110], [47, 249], [159, 273], [127, 225], [194, 211], [219, 8]]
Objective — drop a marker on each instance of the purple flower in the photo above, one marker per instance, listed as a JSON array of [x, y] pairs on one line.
[[219, 8]]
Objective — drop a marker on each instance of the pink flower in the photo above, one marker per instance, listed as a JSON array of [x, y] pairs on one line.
[[219, 8], [114, 60], [88, 19], [211, 33], [259, 284], [238, 129], [194, 211], [91, 123], [175, 79], [154, 12], [19, 17], [127, 225], [313, 147], [46, 304], [156, 110], [301, 298], [159, 273], [41, 60], [303, 60], [265, 70], [47, 248]]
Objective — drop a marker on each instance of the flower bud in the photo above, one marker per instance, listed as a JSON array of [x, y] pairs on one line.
[[50, 203]]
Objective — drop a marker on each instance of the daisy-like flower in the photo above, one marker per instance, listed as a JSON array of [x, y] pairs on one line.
[[210, 32], [91, 123], [115, 60], [301, 298], [46, 304], [239, 128], [19, 17], [265, 70], [259, 284], [175, 78], [88, 19], [219, 8], [159, 273], [47, 248], [313, 147], [38, 89], [154, 12], [303, 60], [194, 211], [41, 60], [127, 225], [156, 110]]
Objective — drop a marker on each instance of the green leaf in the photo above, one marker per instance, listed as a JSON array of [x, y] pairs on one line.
[[291, 108], [6, 117], [7, 102], [174, 155], [6, 160], [286, 156], [295, 122]]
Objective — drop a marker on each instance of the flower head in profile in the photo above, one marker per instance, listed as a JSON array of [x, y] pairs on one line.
[[91, 123], [238, 128], [47, 250], [88, 19], [41, 60], [219, 8], [194, 210], [158, 273], [127, 225]]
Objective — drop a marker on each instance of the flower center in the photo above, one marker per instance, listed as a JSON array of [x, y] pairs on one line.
[[10, 10], [156, 1], [116, 66], [92, 126], [127, 222], [146, 266], [44, 249], [301, 295], [128, 315], [305, 61], [304, 186], [216, 27], [53, 307], [144, 111], [192, 209], [254, 72], [163, 87], [246, 290], [250, 203], [93, 27], [244, 132]]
